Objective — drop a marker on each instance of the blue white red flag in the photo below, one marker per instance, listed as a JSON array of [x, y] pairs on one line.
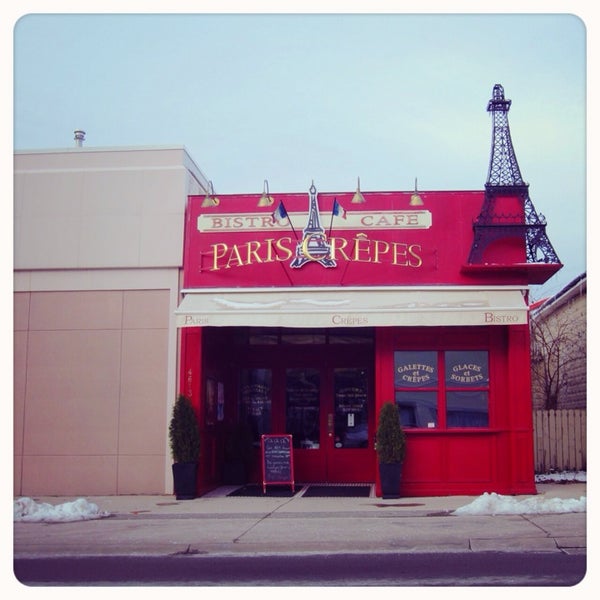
[[279, 214], [338, 209]]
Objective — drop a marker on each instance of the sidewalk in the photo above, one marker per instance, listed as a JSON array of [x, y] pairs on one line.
[[216, 524]]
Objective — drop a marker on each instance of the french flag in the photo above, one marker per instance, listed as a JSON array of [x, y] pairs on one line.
[[338, 209], [279, 214]]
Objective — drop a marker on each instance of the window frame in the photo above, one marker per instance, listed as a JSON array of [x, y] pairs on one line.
[[441, 389]]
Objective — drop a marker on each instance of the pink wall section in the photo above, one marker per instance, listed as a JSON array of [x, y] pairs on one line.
[[90, 390]]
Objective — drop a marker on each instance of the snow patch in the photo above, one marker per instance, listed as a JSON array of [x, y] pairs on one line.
[[496, 504], [28, 510], [562, 477]]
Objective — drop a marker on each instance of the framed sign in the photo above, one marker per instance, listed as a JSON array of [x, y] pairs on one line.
[[277, 460]]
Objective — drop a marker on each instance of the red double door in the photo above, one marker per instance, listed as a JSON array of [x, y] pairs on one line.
[[323, 397]]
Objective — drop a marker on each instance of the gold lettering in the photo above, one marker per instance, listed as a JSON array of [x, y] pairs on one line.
[[269, 244], [399, 254], [234, 257], [287, 253], [305, 250], [411, 251], [364, 250], [253, 252], [385, 249], [218, 254], [343, 242], [360, 248]]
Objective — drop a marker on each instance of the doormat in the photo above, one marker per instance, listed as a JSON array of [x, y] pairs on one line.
[[256, 491], [337, 491]]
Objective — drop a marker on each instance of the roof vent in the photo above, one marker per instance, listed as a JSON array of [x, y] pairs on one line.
[[79, 137]]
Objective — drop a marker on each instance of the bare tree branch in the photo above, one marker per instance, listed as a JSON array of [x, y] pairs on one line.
[[558, 343]]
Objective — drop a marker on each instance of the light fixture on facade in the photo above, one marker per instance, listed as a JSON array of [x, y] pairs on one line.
[[266, 199], [358, 198], [79, 137], [415, 199], [210, 199]]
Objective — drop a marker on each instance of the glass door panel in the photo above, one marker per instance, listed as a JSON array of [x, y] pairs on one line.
[[255, 401], [351, 408], [302, 392]]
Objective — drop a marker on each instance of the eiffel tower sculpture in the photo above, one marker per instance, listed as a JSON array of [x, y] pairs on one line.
[[313, 247], [505, 181]]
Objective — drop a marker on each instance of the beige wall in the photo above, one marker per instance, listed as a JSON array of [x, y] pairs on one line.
[[95, 208], [90, 389], [98, 257]]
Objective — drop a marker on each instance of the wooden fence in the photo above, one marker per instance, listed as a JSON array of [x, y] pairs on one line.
[[560, 440]]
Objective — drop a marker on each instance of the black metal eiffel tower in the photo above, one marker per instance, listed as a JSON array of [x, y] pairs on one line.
[[313, 247], [504, 180]]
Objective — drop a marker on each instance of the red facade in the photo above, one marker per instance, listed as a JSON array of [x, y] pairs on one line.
[[385, 240], [298, 321]]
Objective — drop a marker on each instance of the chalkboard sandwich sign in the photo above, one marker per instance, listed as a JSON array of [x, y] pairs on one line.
[[277, 460]]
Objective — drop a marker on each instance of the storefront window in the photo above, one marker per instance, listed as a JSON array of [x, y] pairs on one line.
[[272, 336], [417, 409], [356, 335], [466, 409], [255, 401], [303, 337], [416, 370], [262, 336], [461, 397], [467, 384], [467, 368]]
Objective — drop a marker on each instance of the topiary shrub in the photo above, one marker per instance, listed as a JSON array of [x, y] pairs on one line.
[[184, 434], [390, 439]]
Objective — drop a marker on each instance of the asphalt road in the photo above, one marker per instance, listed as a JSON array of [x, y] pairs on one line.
[[496, 569]]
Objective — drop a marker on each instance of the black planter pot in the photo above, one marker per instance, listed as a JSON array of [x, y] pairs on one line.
[[390, 475], [184, 480]]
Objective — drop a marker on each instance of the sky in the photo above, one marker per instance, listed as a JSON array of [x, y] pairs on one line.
[[396, 99]]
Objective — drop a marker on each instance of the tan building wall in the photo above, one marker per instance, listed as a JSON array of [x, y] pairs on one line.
[[563, 320], [98, 254], [96, 208]]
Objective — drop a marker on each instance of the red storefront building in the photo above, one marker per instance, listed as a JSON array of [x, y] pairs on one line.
[[302, 313]]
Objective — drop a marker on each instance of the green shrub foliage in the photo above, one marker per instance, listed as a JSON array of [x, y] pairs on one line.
[[391, 439], [184, 434]]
